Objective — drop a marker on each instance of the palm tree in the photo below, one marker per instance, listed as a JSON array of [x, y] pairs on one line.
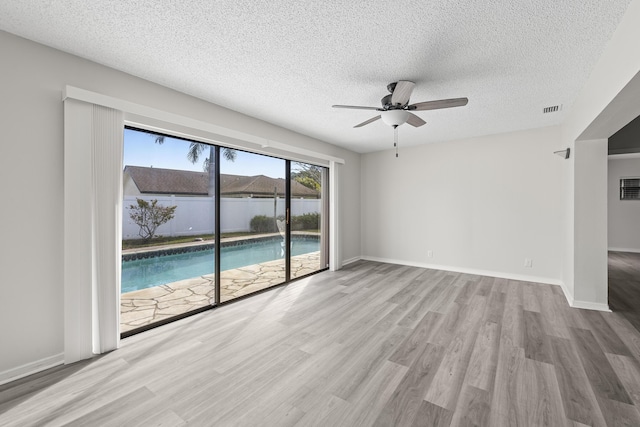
[[195, 151]]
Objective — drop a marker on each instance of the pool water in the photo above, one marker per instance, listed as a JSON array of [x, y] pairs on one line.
[[149, 272]]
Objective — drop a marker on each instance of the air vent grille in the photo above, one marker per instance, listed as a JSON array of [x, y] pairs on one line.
[[552, 109], [630, 188]]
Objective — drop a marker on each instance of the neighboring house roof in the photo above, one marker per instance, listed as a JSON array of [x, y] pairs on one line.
[[180, 182]]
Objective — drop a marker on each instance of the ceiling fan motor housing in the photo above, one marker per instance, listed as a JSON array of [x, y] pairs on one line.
[[386, 101]]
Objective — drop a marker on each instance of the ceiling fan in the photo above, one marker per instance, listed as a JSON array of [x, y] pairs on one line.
[[396, 109]]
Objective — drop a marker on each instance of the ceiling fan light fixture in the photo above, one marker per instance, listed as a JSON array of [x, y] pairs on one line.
[[394, 117]]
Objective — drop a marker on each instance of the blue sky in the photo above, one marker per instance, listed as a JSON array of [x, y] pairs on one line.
[[140, 149]]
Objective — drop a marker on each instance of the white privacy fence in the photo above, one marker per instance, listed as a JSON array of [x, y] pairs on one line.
[[196, 215]]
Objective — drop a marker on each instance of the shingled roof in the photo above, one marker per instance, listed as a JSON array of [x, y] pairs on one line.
[[189, 183]]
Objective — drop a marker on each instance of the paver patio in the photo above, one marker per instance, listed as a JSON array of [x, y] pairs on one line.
[[146, 306]]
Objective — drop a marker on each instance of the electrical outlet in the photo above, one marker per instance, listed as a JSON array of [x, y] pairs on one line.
[[430, 254], [528, 263]]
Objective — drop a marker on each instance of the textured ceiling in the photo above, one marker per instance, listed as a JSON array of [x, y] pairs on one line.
[[287, 62]]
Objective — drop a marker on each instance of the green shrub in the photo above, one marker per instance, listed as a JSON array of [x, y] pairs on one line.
[[263, 224], [266, 224], [308, 221]]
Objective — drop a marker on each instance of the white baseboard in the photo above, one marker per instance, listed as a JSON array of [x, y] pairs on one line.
[[633, 250], [591, 306], [568, 295], [502, 275], [520, 277], [583, 304], [31, 368], [523, 278], [351, 260]]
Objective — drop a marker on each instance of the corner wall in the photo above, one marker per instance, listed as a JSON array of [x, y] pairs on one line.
[[607, 102], [480, 205], [31, 163], [590, 241]]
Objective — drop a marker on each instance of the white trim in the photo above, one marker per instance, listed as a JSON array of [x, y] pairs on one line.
[[219, 132], [519, 277], [334, 224], [585, 305], [350, 260], [632, 250], [31, 368], [623, 156], [567, 294]]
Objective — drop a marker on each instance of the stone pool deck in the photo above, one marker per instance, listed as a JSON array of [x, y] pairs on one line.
[[145, 306]]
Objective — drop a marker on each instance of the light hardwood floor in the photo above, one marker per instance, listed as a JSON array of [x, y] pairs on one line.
[[371, 345]]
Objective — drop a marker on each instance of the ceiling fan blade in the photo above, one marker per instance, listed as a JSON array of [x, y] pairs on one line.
[[415, 121], [356, 107], [371, 120], [437, 105], [402, 92]]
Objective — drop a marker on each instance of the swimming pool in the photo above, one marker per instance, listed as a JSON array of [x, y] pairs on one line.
[[166, 268]]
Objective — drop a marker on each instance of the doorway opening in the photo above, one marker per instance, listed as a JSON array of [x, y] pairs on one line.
[[623, 222]]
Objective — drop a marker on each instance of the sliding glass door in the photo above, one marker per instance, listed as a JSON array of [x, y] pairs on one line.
[[309, 219], [168, 219], [252, 224], [203, 225]]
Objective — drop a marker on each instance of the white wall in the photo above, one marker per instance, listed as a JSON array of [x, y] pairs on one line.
[[623, 217], [482, 205], [590, 242], [31, 163]]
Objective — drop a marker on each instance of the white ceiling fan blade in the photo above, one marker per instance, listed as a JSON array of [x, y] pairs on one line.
[[415, 121], [356, 107], [437, 105], [371, 120], [402, 92]]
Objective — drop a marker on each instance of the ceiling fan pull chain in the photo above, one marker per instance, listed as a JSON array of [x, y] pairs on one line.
[[395, 139]]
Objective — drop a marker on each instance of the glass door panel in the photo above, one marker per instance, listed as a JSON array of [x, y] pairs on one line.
[[309, 219], [191, 209], [168, 222], [252, 223]]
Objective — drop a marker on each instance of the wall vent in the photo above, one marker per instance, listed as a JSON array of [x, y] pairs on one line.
[[552, 109], [630, 188]]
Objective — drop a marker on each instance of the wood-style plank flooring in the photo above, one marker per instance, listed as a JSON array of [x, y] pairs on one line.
[[371, 345], [624, 285]]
